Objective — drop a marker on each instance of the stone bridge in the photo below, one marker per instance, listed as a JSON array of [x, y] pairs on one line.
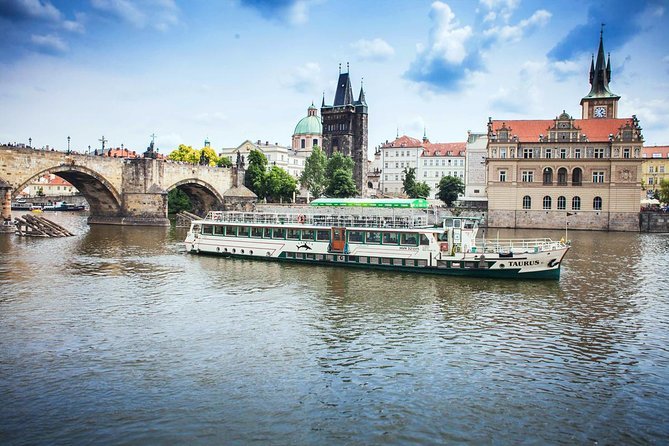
[[121, 191]]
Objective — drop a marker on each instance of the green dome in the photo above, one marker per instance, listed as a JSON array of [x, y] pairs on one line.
[[309, 125]]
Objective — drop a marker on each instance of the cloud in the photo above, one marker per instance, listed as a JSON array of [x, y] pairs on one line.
[[294, 12], [514, 33], [373, 50], [621, 25], [29, 10], [49, 43], [304, 79], [157, 14], [449, 56]]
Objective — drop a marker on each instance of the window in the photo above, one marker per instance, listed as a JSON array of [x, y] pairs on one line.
[[626, 152], [279, 233], [322, 234], [549, 153], [390, 238], [355, 236], [314, 142], [527, 202], [576, 203], [548, 176], [527, 153], [599, 152], [562, 176], [408, 239], [548, 202], [527, 176], [303, 143], [231, 231], [577, 177], [597, 203], [562, 203], [597, 176], [256, 232], [373, 237], [207, 229], [307, 234], [577, 153], [502, 176], [563, 153], [502, 152], [424, 240], [293, 234], [244, 231], [268, 232]]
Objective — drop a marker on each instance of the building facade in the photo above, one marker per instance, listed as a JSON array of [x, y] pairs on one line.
[[585, 172], [292, 161], [475, 169], [655, 167], [345, 129]]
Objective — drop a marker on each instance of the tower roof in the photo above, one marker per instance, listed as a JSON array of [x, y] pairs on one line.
[[344, 94], [309, 125], [600, 74]]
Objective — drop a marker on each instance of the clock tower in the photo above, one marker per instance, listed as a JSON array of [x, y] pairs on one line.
[[600, 103]]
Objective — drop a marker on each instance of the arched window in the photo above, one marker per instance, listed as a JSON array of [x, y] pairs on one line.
[[577, 177], [562, 203], [562, 176], [597, 203], [548, 176], [548, 202], [576, 204], [527, 202]]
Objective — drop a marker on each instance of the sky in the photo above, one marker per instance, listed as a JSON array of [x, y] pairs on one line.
[[233, 70]]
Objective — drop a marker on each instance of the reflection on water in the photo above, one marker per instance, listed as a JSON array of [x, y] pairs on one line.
[[117, 336]]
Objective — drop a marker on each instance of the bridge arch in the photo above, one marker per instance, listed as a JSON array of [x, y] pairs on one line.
[[204, 197], [102, 197]]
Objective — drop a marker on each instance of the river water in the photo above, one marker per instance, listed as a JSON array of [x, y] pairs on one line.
[[116, 336]]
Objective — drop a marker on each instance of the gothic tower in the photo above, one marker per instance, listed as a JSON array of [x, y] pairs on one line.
[[345, 128], [600, 102]]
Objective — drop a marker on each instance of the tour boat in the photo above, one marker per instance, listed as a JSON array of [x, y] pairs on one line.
[[64, 206], [368, 238]]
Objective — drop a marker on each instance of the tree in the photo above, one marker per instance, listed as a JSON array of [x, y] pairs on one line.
[[208, 156], [178, 201], [256, 172], [186, 154], [339, 177], [663, 191], [341, 185], [279, 185], [313, 176], [449, 189], [409, 181], [224, 161], [422, 190]]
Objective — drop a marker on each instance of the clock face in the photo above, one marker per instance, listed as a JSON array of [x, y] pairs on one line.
[[600, 112]]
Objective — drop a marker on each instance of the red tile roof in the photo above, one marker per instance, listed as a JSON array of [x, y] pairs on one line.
[[403, 141], [597, 130], [653, 151], [121, 153], [442, 149]]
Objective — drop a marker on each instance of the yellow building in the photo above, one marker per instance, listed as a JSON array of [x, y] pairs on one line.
[[655, 166], [543, 173]]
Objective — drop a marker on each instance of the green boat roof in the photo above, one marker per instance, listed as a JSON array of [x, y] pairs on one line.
[[417, 203]]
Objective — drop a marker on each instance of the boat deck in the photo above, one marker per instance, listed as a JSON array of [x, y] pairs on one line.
[[325, 220]]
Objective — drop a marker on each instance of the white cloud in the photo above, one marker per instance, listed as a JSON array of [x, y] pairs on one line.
[[448, 40], [374, 50], [49, 43], [305, 78], [158, 14], [514, 33], [298, 12]]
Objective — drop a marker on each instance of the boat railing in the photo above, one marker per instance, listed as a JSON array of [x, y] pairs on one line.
[[520, 245], [328, 220]]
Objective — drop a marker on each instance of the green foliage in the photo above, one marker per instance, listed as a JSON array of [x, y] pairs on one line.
[[279, 185], [341, 185], [663, 191], [313, 177], [339, 177], [224, 161], [186, 154], [422, 190], [449, 189], [409, 181], [255, 173], [178, 201], [208, 157]]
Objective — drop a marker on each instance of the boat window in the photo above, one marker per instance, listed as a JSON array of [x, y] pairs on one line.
[[443, 237], [293, 234], [231, 230], [268, 232], [244, 231], [448, 222], [196, 229], [373, 237], [279, 233], [424, 240], [307, 234], [456, 223], [256, 232], [322, 235], [390, 238], [207, 229], [219, 230], [408, 239], [469, 224], [355, 236]]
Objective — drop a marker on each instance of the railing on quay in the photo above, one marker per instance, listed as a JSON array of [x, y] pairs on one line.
[[330, 220]]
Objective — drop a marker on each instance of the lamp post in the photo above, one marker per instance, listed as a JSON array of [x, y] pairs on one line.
[[89, 150], [122, 151], [30, 142], [68, 145]]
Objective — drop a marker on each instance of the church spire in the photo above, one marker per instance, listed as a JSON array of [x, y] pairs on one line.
[[600, 74], [361, 96]]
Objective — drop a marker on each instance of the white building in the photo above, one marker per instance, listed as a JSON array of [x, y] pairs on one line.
[[396, 156], [475, 168]]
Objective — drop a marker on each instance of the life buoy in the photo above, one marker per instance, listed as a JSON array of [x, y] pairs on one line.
[[443, 246], [300, 219]]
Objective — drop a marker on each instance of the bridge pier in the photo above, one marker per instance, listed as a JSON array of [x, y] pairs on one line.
[[7, 225]]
